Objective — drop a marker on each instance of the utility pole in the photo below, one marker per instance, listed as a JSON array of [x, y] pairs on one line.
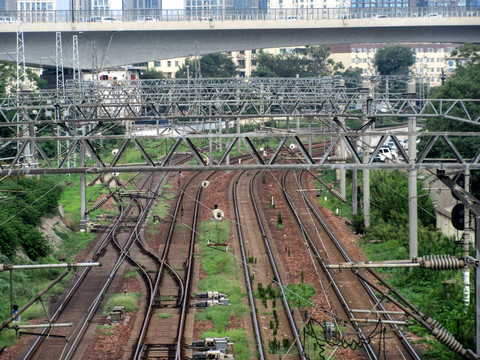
[[83, 186], [366, 158], [466, 246], [412, 180], [472, 204]]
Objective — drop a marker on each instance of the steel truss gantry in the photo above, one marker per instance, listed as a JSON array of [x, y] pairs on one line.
[[200, 114], [277, 123]]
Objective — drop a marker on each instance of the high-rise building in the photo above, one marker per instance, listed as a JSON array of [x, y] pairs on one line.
[[7, 5], [42, 11], [209, 4], [360, 4]]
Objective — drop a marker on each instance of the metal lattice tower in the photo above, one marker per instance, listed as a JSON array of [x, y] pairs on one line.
[[59, 64], [76, 61], [21, 72]]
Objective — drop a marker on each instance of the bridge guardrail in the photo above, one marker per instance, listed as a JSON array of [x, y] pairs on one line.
[[46, 16]]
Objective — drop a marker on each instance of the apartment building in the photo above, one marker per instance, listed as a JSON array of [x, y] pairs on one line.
[[432, 60]]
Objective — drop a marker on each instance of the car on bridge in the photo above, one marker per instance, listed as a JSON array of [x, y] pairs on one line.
[[146, 19], [101, 19], [8, 19]]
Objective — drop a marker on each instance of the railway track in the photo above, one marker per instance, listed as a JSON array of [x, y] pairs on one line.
[[80, 305], [86, 294], [162, 334], [254, 241], [352, 293]]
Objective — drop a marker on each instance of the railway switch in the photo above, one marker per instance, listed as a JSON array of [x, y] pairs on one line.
[[211, 354], [212, 344], [117, 313], [211, 295], [209, 303]]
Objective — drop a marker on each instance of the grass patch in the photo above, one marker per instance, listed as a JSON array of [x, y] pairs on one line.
[[222, 275], [106, 329], [129, 301], [299, 295], [162, 208], [73, 243], [35, 311], [8, 337], [131, 272], [164, 315]]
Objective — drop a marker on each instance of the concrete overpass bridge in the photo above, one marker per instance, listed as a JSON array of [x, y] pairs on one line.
[[138, 38]]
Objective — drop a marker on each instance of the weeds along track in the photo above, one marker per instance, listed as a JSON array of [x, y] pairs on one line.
[[377, 339], [255, 249], [83, 300], [162, 334]]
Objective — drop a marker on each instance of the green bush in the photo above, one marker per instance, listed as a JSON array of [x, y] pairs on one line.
[[129, 300], [299, 295]]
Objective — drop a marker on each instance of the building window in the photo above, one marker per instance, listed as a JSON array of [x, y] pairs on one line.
[[176, 63], [157, 63], [169, 63]]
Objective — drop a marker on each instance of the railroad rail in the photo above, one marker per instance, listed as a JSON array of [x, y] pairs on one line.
[[353, 294], [77, 299], [369, 290], [244, 184], [167, 297]]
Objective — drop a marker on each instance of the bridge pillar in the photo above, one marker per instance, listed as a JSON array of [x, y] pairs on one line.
[[412, 181]]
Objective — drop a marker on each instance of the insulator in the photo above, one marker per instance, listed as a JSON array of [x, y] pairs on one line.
[[440, 262], [448, 340], [98, 204], [339, 196], [336, 158], [218, 214]]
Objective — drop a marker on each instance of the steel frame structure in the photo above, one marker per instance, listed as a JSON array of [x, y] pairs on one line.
[[192, 105]]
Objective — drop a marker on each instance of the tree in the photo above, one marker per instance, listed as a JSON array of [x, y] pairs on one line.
[[468, 52], [8, 77], [315, 63], [281, 65], [319, 63], [390, 191], [152, 74], [465, 84], [394, 60], [211, 66]]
